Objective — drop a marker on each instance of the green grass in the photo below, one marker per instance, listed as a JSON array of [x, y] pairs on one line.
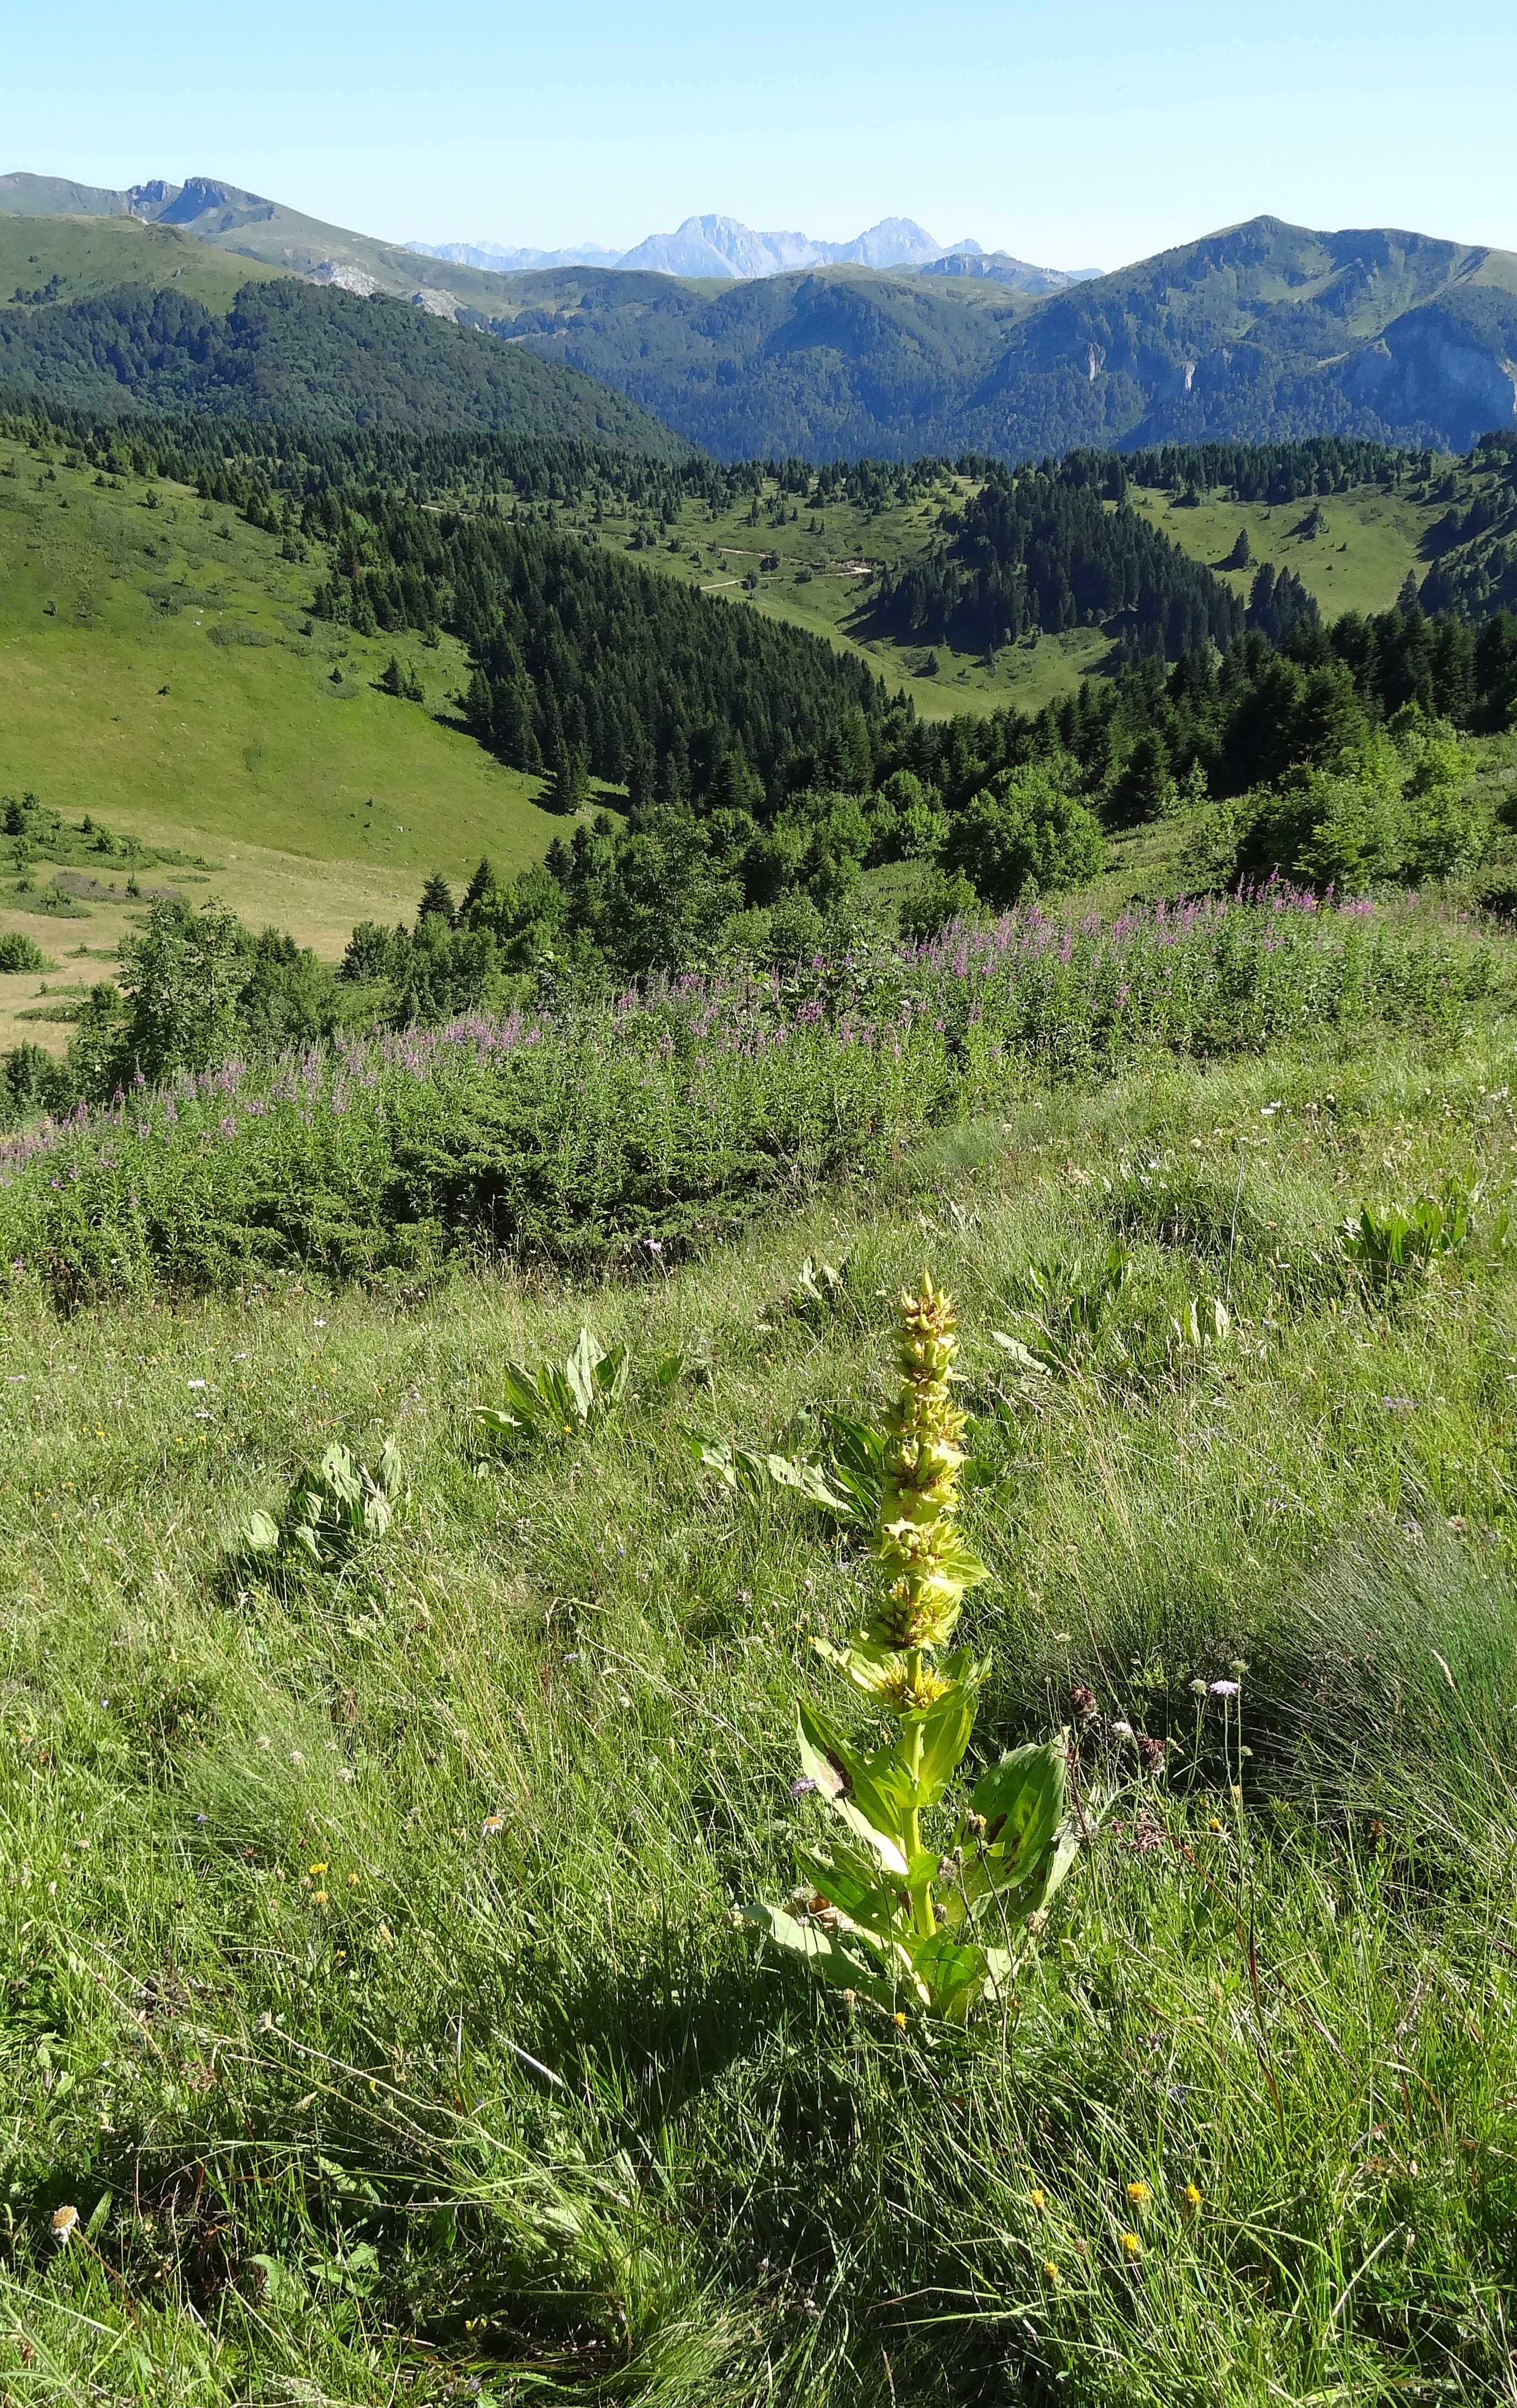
[[842, 549], [158, 671], [1358, 564], [372, 1987], [91, 255], [1358, 561]]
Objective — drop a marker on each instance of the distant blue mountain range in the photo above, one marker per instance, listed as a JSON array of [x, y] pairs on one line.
[[720, 247]]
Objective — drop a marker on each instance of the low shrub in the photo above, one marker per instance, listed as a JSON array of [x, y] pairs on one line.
[[613, 1133]]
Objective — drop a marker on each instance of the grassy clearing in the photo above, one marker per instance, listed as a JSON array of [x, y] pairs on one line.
[[373, 1994], [158, 671], [1355, 557], [829, 562]]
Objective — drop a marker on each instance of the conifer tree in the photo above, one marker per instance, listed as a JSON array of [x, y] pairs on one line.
[[437, 900]]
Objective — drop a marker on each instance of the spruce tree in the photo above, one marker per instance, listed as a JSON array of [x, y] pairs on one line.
[[480, 885], [568, 781], [437, 900]]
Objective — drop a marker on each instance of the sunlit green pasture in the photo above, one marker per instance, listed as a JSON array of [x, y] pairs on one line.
[[373, 1993]]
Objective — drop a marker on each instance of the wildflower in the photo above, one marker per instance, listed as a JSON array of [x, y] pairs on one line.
[[352, 1881], [1223, 1689], [492, 1826], [64, 2221], [916, 1541], [321, 1898], [1131, 2244], [1121, 1731], [1050, 2270], [315, 1870], [1237, 1666], [1198, 1689], [1139, 2193], [1212, 1824], [1151, 1752], [898, 2020], [1036, 2199], [1193, 2198], [1083, 1702]]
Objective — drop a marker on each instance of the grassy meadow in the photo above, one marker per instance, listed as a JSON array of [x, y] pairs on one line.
[[159, 671], [91, 255], [376, 2002], [829, 561], [1352, 552]]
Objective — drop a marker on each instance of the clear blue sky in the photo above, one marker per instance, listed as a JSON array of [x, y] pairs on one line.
[[1072, 137]]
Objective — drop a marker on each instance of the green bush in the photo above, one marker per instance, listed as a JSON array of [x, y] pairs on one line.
[[1021, 836], [19, 952]]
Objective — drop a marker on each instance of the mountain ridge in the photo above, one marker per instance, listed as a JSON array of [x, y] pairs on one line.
[[1261, 332], [716, 246]]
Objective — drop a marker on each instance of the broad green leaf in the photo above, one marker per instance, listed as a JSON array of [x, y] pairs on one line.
[[521, 1394], [559, 1397], [262, 1532], [845, 1960], [859, 1789], [852, 1885], [1022, 1799], [611, 1375], [580, 1372], [808, 1480], [952, 1972], [945, 1728]]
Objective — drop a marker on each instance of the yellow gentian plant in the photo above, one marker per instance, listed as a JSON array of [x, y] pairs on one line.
[[881, 1910]]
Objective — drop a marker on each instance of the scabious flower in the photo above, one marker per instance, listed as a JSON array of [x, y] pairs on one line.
[[1224, 1688]]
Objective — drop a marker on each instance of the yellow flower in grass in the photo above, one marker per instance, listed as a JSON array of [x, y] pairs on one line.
[[917, 1545], [1131, 2245], [1193, 2199], [1036, 2199], [1139, 2193], [1050, 2270]]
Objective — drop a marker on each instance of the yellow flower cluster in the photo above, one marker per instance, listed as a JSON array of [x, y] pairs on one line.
[[917, 1543]]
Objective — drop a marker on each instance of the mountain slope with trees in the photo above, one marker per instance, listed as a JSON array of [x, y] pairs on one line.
[[294, 352], [1261, 334]]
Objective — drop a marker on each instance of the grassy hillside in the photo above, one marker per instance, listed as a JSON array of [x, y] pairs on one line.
[[158, 671], [91, 255], [830, 561], [1353, 554], [380, 2017]]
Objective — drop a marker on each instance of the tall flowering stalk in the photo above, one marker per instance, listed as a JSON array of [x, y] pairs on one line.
[[881, 1910]]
